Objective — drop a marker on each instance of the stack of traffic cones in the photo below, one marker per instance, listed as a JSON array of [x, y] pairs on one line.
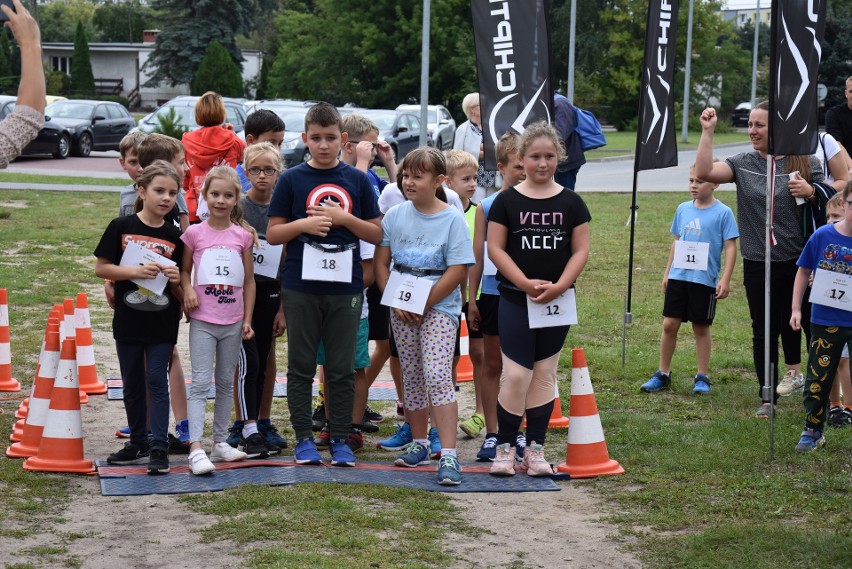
[[7, 382]]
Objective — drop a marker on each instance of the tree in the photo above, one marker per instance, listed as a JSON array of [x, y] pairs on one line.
[[262, 91], [122, 22], [189, 26], [57, 20], [82, 79], [218, 72]]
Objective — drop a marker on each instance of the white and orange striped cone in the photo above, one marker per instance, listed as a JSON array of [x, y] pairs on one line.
[[67, 329], [464, 369], [7, 382], [87, 370], [23, 408], [586, 455], [40, 399], [61, 447]]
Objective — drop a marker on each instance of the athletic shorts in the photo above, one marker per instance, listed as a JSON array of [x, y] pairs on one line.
[[379, 315], [362, 347], [471, 333], [690, 302], [488, 305]]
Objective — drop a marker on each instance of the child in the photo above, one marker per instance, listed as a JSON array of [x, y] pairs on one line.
[[262, 162], [831, 320], [157, 146], [538, 238], [363, 146], [428, 240], [145, 324], [129, 162], [320, 209], [262, 125], [483, 303], [219, 306], [691, 282]]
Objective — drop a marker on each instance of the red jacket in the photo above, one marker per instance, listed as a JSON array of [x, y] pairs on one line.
[[205, 148]]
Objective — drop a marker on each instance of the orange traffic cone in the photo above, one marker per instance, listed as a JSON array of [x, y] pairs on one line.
[[464, 369], [557, 419], [23, 408], [586, 455], [67, 330], [86, 369], [40, 400], [61, 447], [7, 382]]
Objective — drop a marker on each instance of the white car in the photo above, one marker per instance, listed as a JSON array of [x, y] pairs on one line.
[[440, 124]]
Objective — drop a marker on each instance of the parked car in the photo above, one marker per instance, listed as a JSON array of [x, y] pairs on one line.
[[293, 149], [93, 125], [399, 129], [741, 113], [184, 106], [54, 139], [441, 124]]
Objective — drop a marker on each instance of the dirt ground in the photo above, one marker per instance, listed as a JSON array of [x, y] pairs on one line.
[[550, 529]]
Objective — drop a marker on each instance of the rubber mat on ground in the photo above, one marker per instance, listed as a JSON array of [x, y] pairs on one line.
[[134, 480]]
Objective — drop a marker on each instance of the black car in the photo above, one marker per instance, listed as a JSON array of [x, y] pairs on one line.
[[54, 139], [399, 129], [94, 125]]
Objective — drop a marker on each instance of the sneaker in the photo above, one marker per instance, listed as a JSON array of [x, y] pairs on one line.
[[306, 452], [235, 434], [534, 463], [123, 433], [434, 443], [341, 454], [840, 416], [702, 384], [318, 418], [176, 446], [223, 452], [400, 439], [811, 440], [488, 450], [504, 461], [324, 438], [199, 464], [182, 431], [415, 454], [449, 471], [400, 411], [658, 382], [254, 446], [372, 415], [159, 461], [368, 426], [473, 426], [790, 383], [355, 440], [129, 454], [764, 410], [271, 434], [520, 446]]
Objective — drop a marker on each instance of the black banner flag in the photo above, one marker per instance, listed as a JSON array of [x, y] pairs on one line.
[[656, 146], [798, 27], [512, 39]]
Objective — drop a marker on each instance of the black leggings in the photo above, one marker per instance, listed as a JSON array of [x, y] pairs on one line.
[[255, 352]]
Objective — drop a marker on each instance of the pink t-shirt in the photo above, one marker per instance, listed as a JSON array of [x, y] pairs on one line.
[[217, 303]]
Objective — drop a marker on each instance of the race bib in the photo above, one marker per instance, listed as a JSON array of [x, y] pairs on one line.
[[691, 255], [489, 269], [561, 311], [407, 292], [320, 265], [832, 289], [267, 259], [221, 266]]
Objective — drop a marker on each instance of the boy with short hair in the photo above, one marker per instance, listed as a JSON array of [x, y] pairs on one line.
[[129, 161], [363, 146], [702, 227], [262, 125], [321, 209]]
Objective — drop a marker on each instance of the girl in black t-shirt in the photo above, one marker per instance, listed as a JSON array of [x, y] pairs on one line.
[[538, 237]]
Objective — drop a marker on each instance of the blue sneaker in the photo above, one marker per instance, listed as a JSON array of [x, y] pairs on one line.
[[271, 434], [658, 382], [123, 433], [702, 384], [811, 440], [449, 471], [434, 443], [235, 434], [488, 451], [415, 454], [341, 454], [400, 439], [182, 431], [306, 452]]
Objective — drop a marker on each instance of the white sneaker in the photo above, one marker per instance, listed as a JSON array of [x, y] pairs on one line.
[[199, 463], [223, 452], [790, 383]]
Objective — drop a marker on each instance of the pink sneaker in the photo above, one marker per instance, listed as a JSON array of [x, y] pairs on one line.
[[504, 461], [534, 463]]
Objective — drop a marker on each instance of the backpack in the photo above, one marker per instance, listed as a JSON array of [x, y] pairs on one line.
[[589, 130]]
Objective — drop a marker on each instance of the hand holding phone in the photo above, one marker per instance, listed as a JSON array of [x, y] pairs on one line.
[[3, 16]]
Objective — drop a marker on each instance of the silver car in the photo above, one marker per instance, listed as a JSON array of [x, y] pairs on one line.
[[440, 124]]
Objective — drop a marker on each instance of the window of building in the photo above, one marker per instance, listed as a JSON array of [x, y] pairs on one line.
[[61, 63]]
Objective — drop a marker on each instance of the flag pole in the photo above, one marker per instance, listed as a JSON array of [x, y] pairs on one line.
[[768, 370], [628, 315]]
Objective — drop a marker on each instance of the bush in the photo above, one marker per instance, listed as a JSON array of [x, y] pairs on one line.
[[218, 73], [123, 101], [169, 125]]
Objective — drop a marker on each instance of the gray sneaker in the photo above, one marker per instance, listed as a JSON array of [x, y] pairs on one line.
[[764, 410], [790, 383]]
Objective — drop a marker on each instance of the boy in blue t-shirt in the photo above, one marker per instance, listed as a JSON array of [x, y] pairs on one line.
[[703, 227], [321, 209], [828, 254]]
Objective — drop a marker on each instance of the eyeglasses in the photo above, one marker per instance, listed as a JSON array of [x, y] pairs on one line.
[[266, 171], [849, 203], [357, 142]]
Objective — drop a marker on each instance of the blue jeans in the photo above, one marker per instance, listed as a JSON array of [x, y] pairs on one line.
[[141, 365]]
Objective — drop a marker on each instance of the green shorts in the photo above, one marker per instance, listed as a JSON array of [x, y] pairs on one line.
[[362, 347]]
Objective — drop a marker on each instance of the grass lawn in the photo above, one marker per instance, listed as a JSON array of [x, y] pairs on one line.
[[624, 143], [699, 489], [64, 180]]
